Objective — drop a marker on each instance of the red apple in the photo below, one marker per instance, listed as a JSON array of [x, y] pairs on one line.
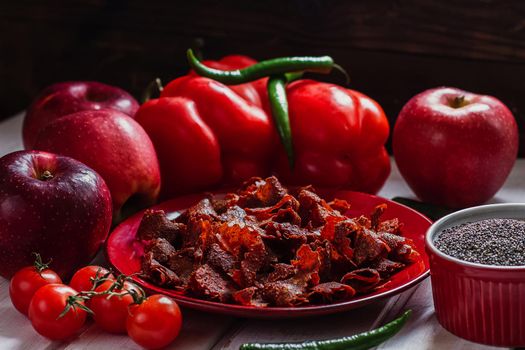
[[115, 146], [453, 147], [52, 205], [65, 98]]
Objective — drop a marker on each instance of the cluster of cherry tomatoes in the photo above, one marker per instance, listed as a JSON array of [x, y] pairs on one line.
[[58, 311]]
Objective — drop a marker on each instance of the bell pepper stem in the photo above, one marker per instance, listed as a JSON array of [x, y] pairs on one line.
[[279, 106], [154, 87]]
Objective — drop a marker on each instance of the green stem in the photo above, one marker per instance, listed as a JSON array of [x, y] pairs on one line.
[[154, 88], [39, 264]]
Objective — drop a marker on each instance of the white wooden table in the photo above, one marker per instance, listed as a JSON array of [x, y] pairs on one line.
[[209, 331]]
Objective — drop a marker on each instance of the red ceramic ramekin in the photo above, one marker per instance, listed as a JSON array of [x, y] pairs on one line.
[[481, 303]]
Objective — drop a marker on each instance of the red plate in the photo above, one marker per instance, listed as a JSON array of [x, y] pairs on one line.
[[124, 254]]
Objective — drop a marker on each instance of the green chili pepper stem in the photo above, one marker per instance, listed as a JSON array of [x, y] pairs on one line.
[[279, 106], [360, 341], [344, 72], [276, 66]]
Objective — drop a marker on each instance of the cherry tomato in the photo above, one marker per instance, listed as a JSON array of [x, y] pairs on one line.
[[110, 313], [154, 323], [82, 280], [45, 309], [26, 282]]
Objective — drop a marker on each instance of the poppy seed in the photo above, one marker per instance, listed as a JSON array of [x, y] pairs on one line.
[[489, 242]]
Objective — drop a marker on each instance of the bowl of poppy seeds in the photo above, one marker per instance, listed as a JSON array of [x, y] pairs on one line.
[[489, 242], [477, 269]]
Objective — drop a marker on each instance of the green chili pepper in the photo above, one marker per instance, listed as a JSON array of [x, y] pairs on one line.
[[276, 66], [360, 341], [279, 105]]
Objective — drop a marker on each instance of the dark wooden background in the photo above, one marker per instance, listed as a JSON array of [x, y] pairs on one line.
[[392, 49]]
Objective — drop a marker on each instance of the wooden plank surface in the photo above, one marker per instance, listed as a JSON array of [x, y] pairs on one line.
[[203, 331]]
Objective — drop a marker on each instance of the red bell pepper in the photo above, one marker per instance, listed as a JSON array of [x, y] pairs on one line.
[[205, 134], [338, 136], [208, 134], [250, 91]]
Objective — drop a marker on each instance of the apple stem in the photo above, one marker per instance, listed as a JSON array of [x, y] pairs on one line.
[[46, 175], [458, 102]]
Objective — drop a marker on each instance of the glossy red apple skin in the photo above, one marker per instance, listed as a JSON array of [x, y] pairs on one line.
[[65, 98], [112, 144], [455, 156], [65, 218]]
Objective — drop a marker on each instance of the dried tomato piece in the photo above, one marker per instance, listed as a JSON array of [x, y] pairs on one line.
[[341, 205], [257, 192], [344, 237], [235, 215], [291, 236], [375, 217], [339, 264], [157, 273], [308, 264], [249, 297], [386, 267], [222, 204], [281, 272], [161, 249], [266, 213], [202, 210], [401, 247], [324, 248], [235, 238], [330, 292], [364, 222], [307, 260], [183, 263], [368, 247], [155, 224], [391, 226], [250, 265], [287, 215], [284, 293], [220, 259], [328, 230], [362, 280], [199, 233], [313, 210], [208, 283]]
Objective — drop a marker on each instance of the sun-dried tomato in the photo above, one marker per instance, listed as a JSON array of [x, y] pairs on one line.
[[264, 246]]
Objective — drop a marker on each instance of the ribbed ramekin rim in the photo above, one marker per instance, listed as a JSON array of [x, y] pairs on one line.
[[436, 227]]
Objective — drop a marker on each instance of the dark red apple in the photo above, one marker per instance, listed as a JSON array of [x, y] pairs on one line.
[[52, 205], [453, 147], [115, 146], [65, 98]]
